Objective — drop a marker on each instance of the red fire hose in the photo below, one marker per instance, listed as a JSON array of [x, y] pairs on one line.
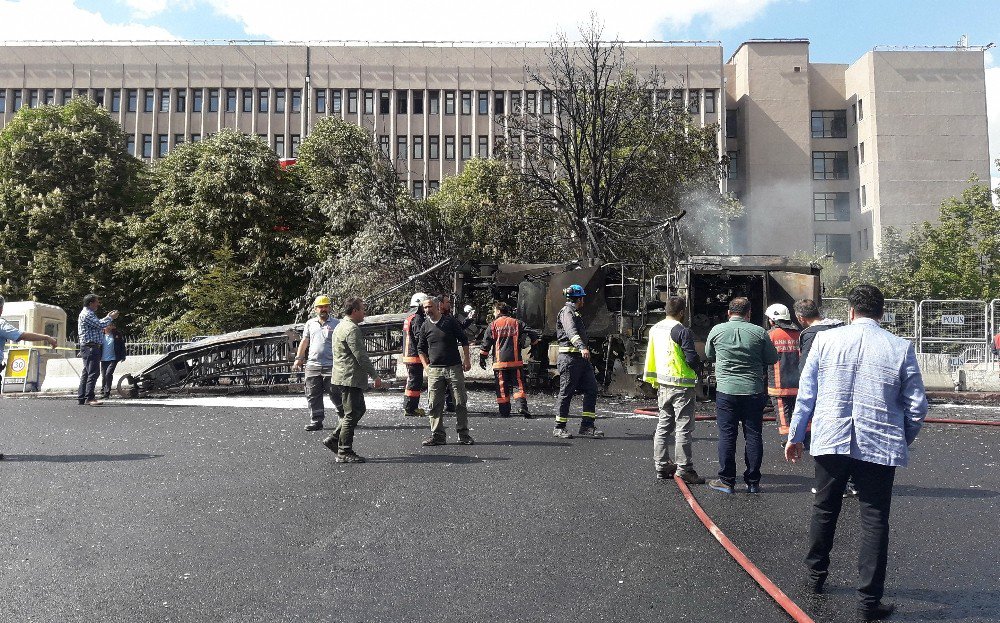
[[930, 420]]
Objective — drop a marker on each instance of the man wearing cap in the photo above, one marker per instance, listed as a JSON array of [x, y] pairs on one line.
[[315, 355], [576, 373], [783, 376], [10, 332]]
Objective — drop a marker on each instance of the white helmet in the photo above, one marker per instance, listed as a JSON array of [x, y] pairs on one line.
[[468, 309], [777, 311], [419, 298]]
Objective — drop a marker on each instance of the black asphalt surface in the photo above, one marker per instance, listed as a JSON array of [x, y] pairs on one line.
[[137, 513]]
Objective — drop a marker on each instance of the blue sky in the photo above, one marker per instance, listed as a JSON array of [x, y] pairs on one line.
[[839, 31]]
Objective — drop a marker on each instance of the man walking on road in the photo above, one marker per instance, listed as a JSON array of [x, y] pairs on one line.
[[90, 334], [438, 346], [741, 351], [10, 332], [672, 367], [351, 369], [870, 410], [316, 353], [576, 373]]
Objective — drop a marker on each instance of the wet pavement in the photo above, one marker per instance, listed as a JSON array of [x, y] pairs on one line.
[[224, 509]]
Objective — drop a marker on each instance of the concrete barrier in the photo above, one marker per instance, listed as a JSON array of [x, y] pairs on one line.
[[937, 371], [979, 377], [63, 374]]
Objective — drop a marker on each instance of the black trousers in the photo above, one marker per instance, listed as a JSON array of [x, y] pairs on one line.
[[731, 412], [91, 356], [414, 385], [874, 485], [107, 375]]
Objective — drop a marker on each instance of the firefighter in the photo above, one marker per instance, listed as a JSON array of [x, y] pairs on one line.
[[505, 337], [783, 376], [411, 358], [576, 373]]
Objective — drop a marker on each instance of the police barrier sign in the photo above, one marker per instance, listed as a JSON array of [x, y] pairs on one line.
[[17, 363], [953, 319]]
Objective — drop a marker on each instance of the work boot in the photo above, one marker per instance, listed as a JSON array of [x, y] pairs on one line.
[[434, 441], [314, 425], [667, 472], [590, 431], [349, 457], [691, 477], [333, 443], [466, 440], [418, 412], [561, 433], [879, 612]]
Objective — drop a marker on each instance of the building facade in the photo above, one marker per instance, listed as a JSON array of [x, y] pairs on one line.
[[822, 156]]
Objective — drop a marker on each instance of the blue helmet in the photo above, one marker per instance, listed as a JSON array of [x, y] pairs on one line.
[[575, 291]]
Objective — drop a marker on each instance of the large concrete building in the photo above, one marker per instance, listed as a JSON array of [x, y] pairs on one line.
[[823, 156]]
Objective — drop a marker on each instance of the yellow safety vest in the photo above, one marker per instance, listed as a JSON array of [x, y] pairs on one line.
[[665, 363]]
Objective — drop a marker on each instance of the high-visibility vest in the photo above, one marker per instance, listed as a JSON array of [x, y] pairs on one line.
[[665, 363]]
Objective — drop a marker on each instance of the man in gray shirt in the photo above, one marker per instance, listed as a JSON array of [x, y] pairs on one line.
[[316, 341]]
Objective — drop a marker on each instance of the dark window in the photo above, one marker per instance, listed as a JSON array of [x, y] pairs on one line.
[[484, 147], [434, 102], [384, 103], [196, 138], [466, 102], [401, 102], [734, 165], [133, 99], [164, 100], [3, 101], [33, 98], [352, 102], [370, 102], [147, 102], [296, 101], [418, 147], [213, 100], [230, 100], [731, 123], [263, 95], [147, 145], [433, 147], [67, 95], [163, 145], [296, 142], [178, 139], [16, 106], [837, 244], [515, 102], [383, 144], [401, 147], [279, 145], [279, 102], [498, 107], [830, 165], [831, 206], [197, 96], [336, 103], [694, 101], [130, 144], [418, 189], [449, 103], [532, 102], [861, 110], [829, 124], [466, 147], [546, 103], [854, 114], [321, 101], [449, 148], [484, 103], [864, 196], [861, 153], [247, 100], [709, 101], [181, 96], [677, 97], [49, 97], [418, 102], [432, 187]]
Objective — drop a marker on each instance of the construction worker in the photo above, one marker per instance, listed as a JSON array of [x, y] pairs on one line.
[[672, 368], [505, 338], [783, 376], [411, 358], [576, 373], [315, 355]]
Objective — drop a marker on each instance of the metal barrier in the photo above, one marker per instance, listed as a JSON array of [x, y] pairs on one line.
[[951, 327], [994, 329], [835, 308], [900, 315]]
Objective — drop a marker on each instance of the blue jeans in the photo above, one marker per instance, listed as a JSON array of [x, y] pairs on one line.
[[731, 411]]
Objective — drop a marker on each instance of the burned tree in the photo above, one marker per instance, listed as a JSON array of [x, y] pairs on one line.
[[611, 155]]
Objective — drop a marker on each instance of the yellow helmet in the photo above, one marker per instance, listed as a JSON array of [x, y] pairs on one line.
[[322, 299]]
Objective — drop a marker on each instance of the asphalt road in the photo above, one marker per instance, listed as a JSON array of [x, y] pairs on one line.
[[142, 512]]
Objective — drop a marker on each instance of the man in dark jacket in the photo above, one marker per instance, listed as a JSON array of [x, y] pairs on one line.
[[505, 338], [576, 373], [438, 347], [807, 313], [113, 351]]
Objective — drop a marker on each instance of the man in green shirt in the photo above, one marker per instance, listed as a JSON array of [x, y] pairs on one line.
[[351, 369], [742, 351]]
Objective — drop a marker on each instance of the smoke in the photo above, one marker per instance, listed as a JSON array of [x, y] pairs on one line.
[[707, 227]]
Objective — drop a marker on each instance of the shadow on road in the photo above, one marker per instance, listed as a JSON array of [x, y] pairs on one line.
[[943, 492], [456, 459], [516, 444], [78, 458]]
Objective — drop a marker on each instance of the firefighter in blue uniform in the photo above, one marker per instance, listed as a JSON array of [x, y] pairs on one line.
[[576, 373]]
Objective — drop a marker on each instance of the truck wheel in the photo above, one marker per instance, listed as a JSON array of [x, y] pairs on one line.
[[127, 387]]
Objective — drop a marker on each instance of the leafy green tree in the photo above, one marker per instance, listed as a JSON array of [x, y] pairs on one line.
[[212, 296], [228, 187], [66, 182], [893, 270]]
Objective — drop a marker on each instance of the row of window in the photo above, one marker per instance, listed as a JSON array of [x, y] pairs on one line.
[[839, 245], [163, 144], [407, 146], [328, 101], [417, 189], [825, 123]]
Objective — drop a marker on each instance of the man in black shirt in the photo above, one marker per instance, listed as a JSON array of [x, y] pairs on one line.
[[438, 347]]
